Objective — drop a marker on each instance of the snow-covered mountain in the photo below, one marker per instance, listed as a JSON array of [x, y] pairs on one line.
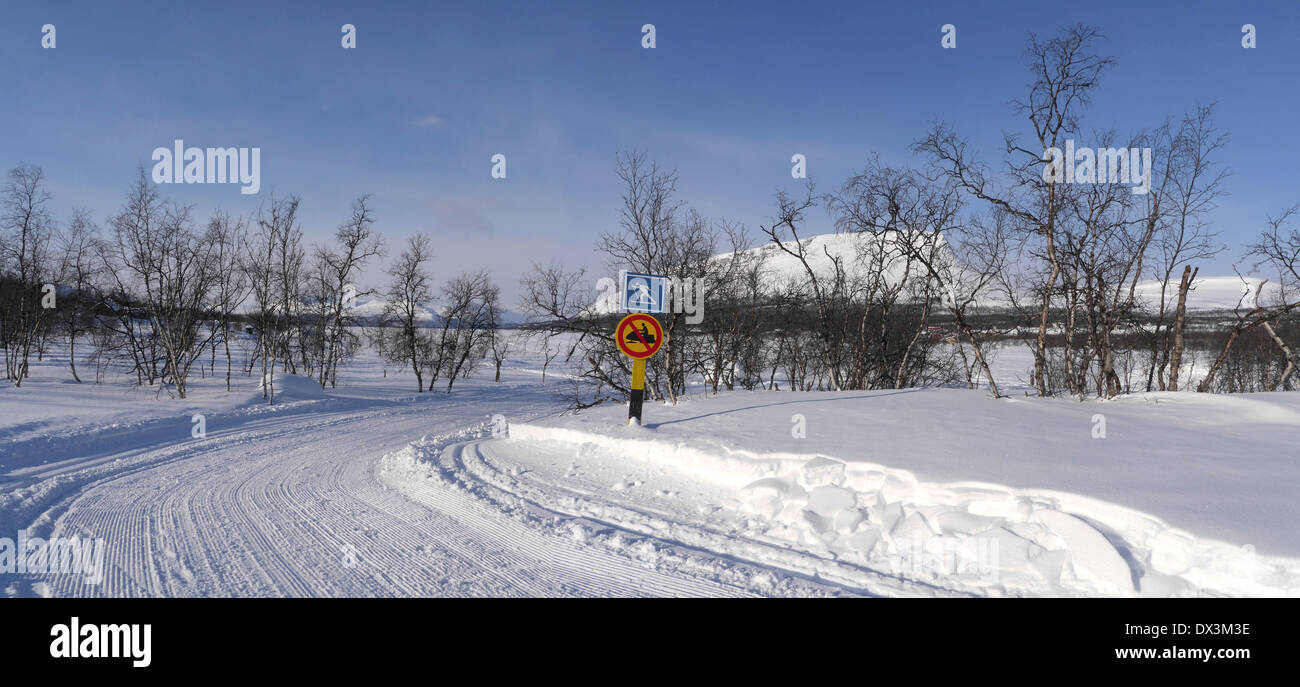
[[1211, 293], [854, 251], [1208, 293], [858, 253], [367, 308], [372, 308]]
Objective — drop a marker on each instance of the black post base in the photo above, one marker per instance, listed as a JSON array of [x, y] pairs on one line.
[[634, 407]]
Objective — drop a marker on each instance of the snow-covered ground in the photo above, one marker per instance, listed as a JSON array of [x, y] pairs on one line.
[[374, 490], [292, 500], [1184, 494]]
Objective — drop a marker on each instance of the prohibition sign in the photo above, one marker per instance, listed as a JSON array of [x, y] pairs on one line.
[[639, 336]]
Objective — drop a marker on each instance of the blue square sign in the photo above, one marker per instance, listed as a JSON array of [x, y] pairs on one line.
[[647, 293]]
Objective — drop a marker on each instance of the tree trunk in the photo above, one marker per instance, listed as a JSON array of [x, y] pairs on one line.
[[1040, 348], [1290, 358], [72, 353], [1180, 323], [225, 339]]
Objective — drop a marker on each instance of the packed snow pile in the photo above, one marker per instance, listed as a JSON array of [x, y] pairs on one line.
[[1156, 495], [289, 387]]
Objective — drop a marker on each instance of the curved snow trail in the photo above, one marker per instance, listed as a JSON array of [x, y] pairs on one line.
[[670, 539], [292, 506]]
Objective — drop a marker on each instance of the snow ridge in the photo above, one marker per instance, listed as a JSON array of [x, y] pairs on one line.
[[968, 536]]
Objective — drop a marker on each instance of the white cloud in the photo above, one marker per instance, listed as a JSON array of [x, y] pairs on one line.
[[430, 121]]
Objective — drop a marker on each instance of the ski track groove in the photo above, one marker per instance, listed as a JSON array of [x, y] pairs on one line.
[[265, 507], [475, 459]]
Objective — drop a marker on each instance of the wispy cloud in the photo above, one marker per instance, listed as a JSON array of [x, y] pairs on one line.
[[430, 122]]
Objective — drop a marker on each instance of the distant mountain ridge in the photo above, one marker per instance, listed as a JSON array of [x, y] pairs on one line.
[[780, 268]]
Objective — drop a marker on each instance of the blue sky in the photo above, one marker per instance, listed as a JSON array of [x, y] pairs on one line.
[[732, 90]]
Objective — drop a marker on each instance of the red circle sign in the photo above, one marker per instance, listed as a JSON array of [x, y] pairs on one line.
[[639, 336]]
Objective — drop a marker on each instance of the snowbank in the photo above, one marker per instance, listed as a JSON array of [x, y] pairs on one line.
[[288, 388], [1010, 496]]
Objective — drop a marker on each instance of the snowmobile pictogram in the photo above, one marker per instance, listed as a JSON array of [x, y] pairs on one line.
[[645, 335]]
